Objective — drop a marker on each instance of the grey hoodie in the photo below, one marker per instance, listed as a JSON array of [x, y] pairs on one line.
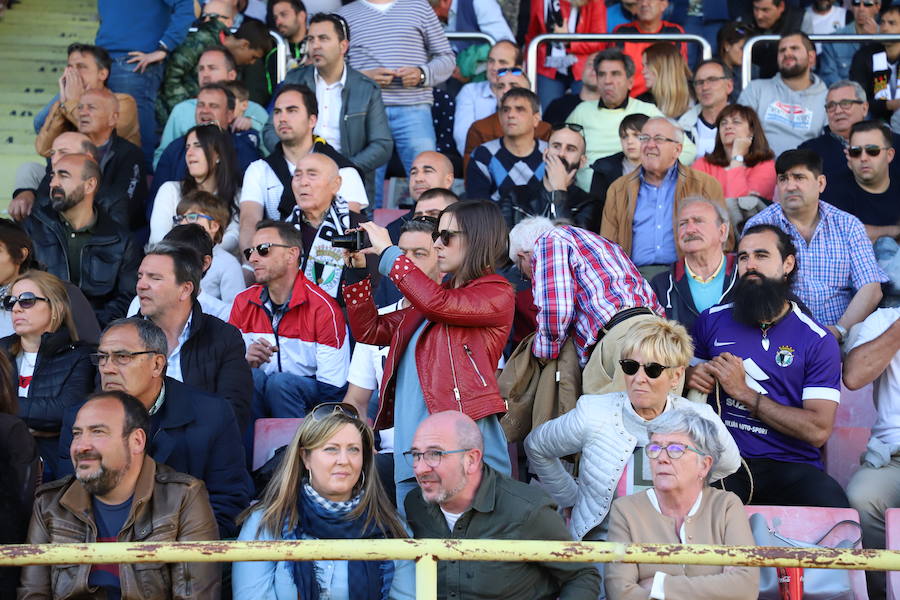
[[788, 117]]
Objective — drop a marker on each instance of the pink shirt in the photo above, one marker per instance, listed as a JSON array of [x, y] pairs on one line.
[[742, 181]]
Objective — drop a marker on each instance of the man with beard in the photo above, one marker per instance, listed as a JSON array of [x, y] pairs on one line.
[[774, 376], [460, 497], [116, 494], [289, 18], [79, 242], [560, 196], [790, 105]]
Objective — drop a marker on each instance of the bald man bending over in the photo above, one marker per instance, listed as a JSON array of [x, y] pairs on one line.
[[461, 497]]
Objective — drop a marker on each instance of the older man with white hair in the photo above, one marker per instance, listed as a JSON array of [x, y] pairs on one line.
[[640, 206]]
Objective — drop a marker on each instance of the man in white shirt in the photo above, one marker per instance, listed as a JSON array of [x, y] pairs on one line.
[[713, 85]]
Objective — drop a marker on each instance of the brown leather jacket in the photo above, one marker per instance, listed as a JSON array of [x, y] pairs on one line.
[[167, 506]]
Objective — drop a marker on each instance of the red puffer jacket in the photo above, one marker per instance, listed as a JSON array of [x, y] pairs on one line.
[[457, 353]]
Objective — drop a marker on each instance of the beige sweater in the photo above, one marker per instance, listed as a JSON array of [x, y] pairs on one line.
[[719, 520]]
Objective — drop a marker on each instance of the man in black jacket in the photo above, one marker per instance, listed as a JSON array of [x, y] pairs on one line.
[[772, 17], [79, 242], [560, 196], [204, 351], [874, 67]]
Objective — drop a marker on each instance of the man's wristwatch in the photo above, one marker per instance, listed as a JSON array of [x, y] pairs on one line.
[[841, 330], [422, 76]]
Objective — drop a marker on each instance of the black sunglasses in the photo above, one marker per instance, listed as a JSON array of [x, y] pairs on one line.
[[445, 236], [329, 408], [263, 249], [573, 126], [25, 299], [509, 71], [631, 366], [426, 219], [870, 149]]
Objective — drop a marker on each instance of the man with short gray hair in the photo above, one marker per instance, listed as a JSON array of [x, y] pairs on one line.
[[705, 275], [639, 213]]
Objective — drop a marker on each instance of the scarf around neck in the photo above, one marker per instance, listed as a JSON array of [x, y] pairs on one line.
[[324, 264]]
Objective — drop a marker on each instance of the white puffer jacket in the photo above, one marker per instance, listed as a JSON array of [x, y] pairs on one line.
[[596, 428]]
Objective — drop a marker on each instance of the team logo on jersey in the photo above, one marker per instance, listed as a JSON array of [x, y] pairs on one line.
[[785, 356]]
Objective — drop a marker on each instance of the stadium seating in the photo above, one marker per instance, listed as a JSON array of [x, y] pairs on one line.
[[269, 435]]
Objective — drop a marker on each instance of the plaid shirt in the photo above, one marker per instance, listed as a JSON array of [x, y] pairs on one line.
[[836, 262], [582, 277]]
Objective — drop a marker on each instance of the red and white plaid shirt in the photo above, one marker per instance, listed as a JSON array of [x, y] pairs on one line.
[[581, 277]]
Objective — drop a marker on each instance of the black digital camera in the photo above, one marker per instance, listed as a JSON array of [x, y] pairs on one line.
[[354, 241]]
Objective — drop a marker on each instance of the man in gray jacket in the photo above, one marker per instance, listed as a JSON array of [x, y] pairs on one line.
[[352, 118], [790, 105]]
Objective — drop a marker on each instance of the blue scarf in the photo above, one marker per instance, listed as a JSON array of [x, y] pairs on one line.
[[368, 579]]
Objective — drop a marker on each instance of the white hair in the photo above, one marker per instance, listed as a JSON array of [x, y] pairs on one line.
[[679, 130], [525, 234]]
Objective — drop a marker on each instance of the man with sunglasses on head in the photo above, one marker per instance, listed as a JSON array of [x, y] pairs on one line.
[[773, 374], [191, 430], [560, 197]]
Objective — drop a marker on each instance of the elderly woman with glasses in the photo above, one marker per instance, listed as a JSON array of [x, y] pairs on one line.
[[326, 487], [684, 450], [52, 368], [611, 430]]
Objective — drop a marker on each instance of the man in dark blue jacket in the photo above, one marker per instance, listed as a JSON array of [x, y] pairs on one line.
[[191, 431]]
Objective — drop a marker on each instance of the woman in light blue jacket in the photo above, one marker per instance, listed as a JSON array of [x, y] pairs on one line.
[[325, 488]]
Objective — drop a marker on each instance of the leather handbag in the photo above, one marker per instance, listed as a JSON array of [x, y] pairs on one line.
[[818, 584]]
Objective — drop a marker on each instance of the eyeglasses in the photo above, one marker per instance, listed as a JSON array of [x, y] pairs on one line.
[[657, 139], [653, 370], [573, 126], [98, 359], [445, 236], [864, 3], [845, 104], [263, 249], [509, 71], [190, 218], [675, 451], [327, 409], [432, 458], [26, 300], [709, 80], [870, 149]]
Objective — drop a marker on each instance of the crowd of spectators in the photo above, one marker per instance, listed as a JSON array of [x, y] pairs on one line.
[[706, 262]]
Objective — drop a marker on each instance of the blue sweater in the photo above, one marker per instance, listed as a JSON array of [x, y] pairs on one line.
[[165, 21]]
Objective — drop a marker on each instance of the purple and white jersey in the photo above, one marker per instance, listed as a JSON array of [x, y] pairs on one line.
[[797, 360]]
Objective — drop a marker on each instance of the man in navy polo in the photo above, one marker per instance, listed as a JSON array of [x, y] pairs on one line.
[[773, 374]]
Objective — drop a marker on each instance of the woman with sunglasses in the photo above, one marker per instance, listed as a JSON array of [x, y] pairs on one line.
[[52, 367], [211, 161], [611, 430], [326, 487], [681, 508], [445, 347]]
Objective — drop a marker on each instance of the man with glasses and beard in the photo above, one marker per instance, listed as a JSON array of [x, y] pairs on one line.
[[774, 376], [120, 494]]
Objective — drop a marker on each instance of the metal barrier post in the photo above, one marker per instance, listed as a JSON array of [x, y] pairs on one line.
[[747, 64], [281, 54], [470, 36], [531, 53], [426, 577]]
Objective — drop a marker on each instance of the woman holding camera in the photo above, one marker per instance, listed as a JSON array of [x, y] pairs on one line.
[[444, 347]]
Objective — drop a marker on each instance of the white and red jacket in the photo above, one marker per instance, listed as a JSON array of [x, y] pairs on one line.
[[311, 334]]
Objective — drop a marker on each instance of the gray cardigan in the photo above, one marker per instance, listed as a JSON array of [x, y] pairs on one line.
[[596, 428]]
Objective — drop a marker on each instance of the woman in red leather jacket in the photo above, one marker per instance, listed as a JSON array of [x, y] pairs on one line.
[[445, 347]]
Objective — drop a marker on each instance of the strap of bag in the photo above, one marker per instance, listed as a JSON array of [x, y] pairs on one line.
[[744, 464], [856, 526]]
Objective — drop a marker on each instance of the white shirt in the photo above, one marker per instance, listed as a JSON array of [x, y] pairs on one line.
[[489, 17], [451, 518], [174, 367], [886, 391], [704, 137], [475, 101], [25, 364], [328, 96]]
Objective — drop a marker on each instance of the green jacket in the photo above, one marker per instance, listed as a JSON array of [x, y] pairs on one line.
[[180, 82], [503, 509]]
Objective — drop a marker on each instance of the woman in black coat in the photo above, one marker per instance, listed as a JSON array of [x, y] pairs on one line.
[[52, 370]]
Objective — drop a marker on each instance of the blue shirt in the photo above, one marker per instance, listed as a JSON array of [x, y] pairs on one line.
[[706, 294], [142, 24], [652, 235], [109, 518]]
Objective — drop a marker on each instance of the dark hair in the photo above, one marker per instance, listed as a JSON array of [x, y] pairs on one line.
[[18, 245], [309, 96], [136, 415], [288, 233], [216, 144], [486, 238], [151, 336], [341, 27], [211, 206], [418, 225], [893, 8], [89, 168], [874, 125], [238, 88], [438, 193], [9, 399], [726, 70], [230, 63], [518, 58], [759, 146], [256, 33], [193, 236], [785, 245], [800, 157], [526, 95], [101, 56], [186, 262], [731, 33], [807, 43], [88, 147], [774, 2], [297, 5], [615, 54], [633, 122], [230, 100]]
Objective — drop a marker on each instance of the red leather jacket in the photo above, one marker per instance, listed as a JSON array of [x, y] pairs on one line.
[[457, 353]]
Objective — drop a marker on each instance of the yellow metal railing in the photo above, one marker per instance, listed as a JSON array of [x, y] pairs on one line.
[[426, 553]]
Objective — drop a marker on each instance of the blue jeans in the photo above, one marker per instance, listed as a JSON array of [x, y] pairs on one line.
[[550, 89], [143, 87], [413, 130], [288, 395]]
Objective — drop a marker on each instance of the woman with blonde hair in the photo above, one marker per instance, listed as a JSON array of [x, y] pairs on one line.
[[667, 77], [326, 487]]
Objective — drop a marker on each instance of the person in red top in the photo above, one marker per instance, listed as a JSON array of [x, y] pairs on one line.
[[445, 347], [560, 64], [649, 20]]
